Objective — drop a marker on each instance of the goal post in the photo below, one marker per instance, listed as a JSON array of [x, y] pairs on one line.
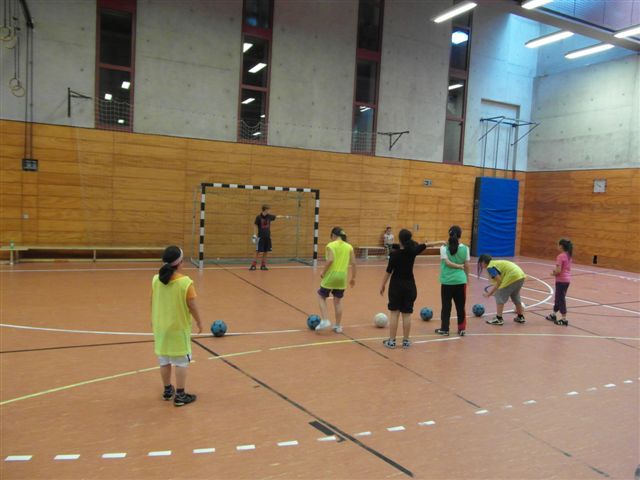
[[226, 216]]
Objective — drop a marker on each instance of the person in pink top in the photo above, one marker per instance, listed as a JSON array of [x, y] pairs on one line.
[[562, 272]]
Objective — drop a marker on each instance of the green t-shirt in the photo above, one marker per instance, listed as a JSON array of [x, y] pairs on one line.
[[170, 316], [449, 275], [336, 276]]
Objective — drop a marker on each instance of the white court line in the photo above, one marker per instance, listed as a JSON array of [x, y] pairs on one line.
[[204, 450], [610, 385], [427, 423], [529, 402], [330, 438], [160, 453], [18, 458], [362, 434], [572, 394], [73, 456], [437, 340], [242, 448], [114, 455], [481, 412], [399, 428], [577, 269], [290, 443]]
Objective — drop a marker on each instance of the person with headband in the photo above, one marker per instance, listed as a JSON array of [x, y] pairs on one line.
[[507, 279], [562, 272], [340, 257], [173, 304]]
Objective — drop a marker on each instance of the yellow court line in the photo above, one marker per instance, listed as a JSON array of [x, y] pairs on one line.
[[234, 354], [79, 384]]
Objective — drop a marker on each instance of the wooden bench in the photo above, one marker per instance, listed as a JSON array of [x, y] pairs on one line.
[[14, 251]]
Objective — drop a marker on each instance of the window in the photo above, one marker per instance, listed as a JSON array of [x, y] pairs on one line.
[[254, 77], [115, 64], [457, 90], [365, 105]]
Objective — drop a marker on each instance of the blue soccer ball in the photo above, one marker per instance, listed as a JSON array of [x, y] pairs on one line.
[[313, 321], [478, 309], [218, 328], [426, 314]]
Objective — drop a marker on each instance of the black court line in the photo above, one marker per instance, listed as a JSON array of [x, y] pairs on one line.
[[328, 425], [74, 346]]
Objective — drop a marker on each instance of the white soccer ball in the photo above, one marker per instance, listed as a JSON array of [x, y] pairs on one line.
[[380, 320]]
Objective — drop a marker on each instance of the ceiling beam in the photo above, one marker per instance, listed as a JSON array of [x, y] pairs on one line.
[[561, 22]]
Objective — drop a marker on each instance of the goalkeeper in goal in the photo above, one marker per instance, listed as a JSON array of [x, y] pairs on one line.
[[262, 235]]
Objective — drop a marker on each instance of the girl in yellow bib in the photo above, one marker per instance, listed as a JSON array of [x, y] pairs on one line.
[[507, 279], [173, 303], [340, 256]]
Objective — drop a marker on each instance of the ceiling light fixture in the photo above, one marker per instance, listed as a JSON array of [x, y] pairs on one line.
[[248, 101], [257, 67], [583, 52], [546, 39], [628, 32], [246, 46], [454, 11], [459, 37], [531, 4], [256, 134], [455, 86], [108, 96], [126, 85], [121, 121]]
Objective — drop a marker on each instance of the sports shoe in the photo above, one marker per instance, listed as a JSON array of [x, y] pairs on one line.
[[183, 398], [519, 319], [462, 333], [252, 267], [263, 267], [439, 331], [337, 328], [406, 343], [495, 321], [389, 343], [551, 317], [562, 321], [168, 393], [324, 324]]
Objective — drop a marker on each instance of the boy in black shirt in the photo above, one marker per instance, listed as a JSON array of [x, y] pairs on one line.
[[262, 235]]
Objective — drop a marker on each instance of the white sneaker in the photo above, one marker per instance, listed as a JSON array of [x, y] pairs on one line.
[[324, 324], [337, 328]]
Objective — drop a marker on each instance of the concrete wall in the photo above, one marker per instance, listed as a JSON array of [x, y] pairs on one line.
[[312, 74], [589, 117], [414, 79], [502, 70]]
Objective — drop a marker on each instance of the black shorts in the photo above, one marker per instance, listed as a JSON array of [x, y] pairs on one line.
[[263, 245], [402, 297]]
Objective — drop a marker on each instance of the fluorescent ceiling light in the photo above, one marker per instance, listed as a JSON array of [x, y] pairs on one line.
[[108, 96], [459, 37], [531, 4], [257, 67], [583, 52], [628, 32], [257, 133], [120, 121], [262, 116], [546, 39], [364, 109], [248, 101], [126, 85], [455, 86], [246, 46], [454, 11]]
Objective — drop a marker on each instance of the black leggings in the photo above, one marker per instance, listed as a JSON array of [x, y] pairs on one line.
[[560, 304], [457, 293]]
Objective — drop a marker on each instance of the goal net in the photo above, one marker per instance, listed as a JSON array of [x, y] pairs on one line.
[[224, 216]]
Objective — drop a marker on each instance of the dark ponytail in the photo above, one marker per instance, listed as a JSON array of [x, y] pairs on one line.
[[338, 232], [455, 232], [567, 246], [405, 237], [171, 257], [483, 260]]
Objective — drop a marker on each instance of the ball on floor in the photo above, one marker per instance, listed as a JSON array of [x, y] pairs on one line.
[[218, 328], [380, 320], [478, 309], [426, 314], [313, 321]]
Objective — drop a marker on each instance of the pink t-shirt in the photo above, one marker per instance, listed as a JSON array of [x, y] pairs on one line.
[[564, 261]]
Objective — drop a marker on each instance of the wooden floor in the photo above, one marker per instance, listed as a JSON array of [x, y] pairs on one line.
[[80, 391]]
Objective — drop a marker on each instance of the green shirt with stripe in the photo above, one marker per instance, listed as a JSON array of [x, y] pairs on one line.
[[336, 276], [171, 317]]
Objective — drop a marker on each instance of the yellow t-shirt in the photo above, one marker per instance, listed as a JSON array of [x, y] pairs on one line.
[[508, 271], [170, 315], [336, 276]]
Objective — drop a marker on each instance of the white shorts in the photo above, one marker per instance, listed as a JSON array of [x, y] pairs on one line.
[[181, 361]]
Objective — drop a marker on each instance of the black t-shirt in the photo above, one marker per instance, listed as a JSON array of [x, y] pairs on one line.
[[401, 261], [263, 222]]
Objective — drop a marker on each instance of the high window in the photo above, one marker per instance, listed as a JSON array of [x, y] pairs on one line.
[[457, 89], [368, 54], [115, 64], [254, 78]]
